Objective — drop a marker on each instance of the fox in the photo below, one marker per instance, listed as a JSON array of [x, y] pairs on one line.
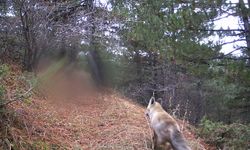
[[165, 127]]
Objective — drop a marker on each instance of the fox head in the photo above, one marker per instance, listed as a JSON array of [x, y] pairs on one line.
[[152, 103], [153, 107]]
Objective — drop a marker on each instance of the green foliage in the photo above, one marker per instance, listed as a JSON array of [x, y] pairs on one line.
[[2, 91], [226, 89], [232, 136], [43, 146], [178, 34], [4, 70], [22, 144]]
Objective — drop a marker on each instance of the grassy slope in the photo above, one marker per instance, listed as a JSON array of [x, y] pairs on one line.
[[104, 122], [86, 120]]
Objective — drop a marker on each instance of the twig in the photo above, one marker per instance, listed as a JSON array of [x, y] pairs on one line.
[[185, 115]]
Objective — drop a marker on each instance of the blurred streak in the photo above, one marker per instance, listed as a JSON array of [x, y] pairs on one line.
[[61, 83], [52, 70], [96, 67]]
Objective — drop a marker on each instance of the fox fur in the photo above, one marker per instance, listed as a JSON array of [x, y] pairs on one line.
[[165, 127]]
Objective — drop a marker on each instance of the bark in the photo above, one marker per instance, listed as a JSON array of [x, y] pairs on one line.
[[245, 19], [30, 54], [94, 56], [138, 66]]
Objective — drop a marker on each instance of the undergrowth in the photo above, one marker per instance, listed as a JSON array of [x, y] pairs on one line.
[[223, 136], [12, 125]]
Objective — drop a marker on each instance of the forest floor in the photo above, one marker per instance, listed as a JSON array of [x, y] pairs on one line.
[[70, 116]]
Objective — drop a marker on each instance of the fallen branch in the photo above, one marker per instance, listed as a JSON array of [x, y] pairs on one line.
[[18, 98]]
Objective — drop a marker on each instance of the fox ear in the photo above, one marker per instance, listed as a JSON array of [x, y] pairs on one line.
[[152, 100]]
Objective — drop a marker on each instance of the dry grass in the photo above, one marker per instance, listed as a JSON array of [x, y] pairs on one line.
[[82, 119], [110, 123]]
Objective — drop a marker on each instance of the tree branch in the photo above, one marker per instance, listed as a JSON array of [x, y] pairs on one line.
[[230, 42], [220, 30], [202, 3], [239, 48]]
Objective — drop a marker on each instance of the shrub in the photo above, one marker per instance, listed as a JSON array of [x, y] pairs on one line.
[[2, 91], [232, 136], [4, 70]]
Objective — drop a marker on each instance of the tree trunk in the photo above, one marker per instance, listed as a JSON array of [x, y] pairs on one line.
[[138, 66], [245, 16], [30, 54], [94, 56]]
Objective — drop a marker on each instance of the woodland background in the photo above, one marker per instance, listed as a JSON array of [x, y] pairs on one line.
[[171, 48]]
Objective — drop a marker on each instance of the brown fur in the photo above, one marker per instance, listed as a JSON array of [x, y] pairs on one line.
[[165, 127]]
